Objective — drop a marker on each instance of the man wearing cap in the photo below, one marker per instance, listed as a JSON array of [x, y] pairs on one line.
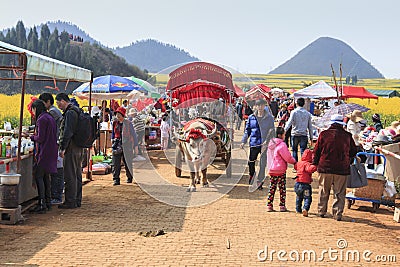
[[123, 135], [300, 120], [260, 129], [70, 152], [332, 155]]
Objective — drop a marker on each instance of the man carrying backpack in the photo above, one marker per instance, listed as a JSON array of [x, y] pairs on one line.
[[70, 152]]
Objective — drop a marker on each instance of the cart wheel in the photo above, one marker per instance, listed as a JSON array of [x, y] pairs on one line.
[[375, 206], [228, 165], [178, 172], [349, 203], [227, 158]]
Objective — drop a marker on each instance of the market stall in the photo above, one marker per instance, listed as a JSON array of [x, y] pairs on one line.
[[23, 65]]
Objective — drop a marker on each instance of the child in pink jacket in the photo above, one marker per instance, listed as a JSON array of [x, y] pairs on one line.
[[278, 156]]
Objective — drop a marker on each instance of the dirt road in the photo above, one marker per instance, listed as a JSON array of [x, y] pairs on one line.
[[110, 228]]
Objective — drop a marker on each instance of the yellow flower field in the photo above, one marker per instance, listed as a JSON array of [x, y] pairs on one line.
[[383, 106], [10, 108]]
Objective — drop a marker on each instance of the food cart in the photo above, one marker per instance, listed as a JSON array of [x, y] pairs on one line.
[[24, 65]]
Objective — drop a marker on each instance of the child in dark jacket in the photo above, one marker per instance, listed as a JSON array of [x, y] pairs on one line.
[[303, 182]]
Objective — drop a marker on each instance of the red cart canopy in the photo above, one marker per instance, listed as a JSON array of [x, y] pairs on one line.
[[200, 91], [199, 71]]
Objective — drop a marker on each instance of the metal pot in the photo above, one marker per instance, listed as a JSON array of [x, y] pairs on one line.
[[9, 178]]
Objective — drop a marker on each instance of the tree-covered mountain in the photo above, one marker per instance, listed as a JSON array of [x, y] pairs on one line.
[[153, 55], [317, 57], [70, 28], [63, 46]]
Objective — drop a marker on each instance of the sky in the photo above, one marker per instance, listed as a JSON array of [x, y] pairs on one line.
[[252, 36]]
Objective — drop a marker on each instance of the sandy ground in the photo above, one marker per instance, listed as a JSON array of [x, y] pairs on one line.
[[110, 229]]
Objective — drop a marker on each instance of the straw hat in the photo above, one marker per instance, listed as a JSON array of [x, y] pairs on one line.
[[395, 125], [356, 116]]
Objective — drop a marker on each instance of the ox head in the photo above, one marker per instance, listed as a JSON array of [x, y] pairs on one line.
[[194, 141]]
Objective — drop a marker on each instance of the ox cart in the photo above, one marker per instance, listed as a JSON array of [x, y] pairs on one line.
[[206, 92]]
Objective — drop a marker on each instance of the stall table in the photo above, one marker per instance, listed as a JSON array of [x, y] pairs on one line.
[[105, 141], [27, 186]]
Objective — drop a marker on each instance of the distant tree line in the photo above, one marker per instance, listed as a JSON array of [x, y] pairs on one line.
[[57, 45]]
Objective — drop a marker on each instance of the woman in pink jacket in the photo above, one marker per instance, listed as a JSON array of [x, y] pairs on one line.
[[278, 156]]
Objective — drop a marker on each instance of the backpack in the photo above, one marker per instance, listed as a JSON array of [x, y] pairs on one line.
[[86, 131]]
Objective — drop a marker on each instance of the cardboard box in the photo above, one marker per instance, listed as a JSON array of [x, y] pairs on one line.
[[396, 216], [392, 171]]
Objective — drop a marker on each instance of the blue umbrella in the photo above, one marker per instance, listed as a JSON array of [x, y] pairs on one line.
[[108, 87]]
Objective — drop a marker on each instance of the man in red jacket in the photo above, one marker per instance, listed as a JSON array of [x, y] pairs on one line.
[[332, 154]]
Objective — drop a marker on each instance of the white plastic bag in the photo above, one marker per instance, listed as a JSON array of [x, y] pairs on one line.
[[390, 189], [7, 126]]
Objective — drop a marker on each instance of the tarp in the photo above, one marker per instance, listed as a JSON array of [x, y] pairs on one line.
[[357, 92], [44, 66], [317, 90], [239, 91], [257, 92]]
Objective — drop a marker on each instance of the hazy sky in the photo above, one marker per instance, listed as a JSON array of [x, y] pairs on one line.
[[252, 36]]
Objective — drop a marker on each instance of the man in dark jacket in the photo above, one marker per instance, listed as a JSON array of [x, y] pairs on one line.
[[239, 113], [260, 129], [70, 152], [332, 154]]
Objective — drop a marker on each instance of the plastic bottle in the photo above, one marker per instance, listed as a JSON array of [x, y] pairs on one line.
[[8, 150], [3, 148]]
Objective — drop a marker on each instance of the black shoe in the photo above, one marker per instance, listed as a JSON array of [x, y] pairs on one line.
[[78, 204], [66, 206], [260, 186], [40, 207], [338, 218], [116, 183], [129, 181]]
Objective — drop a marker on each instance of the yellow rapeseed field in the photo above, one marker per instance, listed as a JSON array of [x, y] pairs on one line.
[[10, 108], [383, 106]]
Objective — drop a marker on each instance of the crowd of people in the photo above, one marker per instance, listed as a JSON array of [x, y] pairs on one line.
[[270, 130], [320, 151]]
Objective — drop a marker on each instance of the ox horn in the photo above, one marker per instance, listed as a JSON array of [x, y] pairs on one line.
[[213, 131]]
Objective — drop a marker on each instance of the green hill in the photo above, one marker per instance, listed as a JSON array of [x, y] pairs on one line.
[[153, 55], [317, 57], [59, 45]]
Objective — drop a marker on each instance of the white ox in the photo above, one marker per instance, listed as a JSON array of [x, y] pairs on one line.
[[195, 143]]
